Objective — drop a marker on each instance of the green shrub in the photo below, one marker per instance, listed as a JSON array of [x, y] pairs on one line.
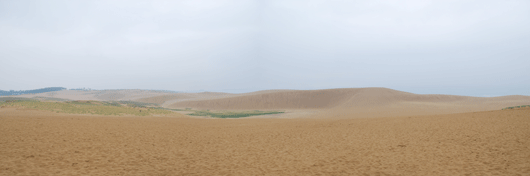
[[522, 106], [112, 104], [228, 114], [137, 104], [4, 99]]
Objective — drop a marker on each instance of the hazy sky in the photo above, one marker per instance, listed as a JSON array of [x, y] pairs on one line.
[[478, 48]]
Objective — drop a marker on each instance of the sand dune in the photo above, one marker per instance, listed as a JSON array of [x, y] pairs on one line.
[[163, 98], [286, 99], [168, 99], [346, 102], [373, 102], [482, 143], [323, 132]]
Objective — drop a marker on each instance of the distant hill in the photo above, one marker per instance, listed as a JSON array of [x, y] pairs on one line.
[[342, 102], [353, 102], [35, 91]]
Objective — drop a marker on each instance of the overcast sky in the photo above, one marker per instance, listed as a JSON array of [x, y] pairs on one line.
[[477, 48]]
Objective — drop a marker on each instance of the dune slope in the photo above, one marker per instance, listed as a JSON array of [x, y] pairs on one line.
[[362, 101], [287, 99], [346, 102]]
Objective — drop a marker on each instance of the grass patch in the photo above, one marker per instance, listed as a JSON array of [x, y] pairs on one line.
[[50, 99], [177, 109], [4, 99], [168, 109], [85, 107], [513, 107], [112, 104], [137, 104], [230, 114]]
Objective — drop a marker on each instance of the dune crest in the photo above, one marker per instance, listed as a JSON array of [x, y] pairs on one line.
[[357, 101], [342, 102]]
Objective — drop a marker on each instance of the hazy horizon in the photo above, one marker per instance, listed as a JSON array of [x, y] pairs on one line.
[[473, 48], [240, 91]]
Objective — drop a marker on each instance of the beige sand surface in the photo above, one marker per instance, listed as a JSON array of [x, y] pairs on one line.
[[358, 102], [482, 143], [365, 102], [168, 99]]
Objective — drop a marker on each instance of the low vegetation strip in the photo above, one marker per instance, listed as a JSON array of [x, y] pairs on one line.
[[229, 114], [513, 107], [136, 104], [171, 109], [85, 107], [4, 99]]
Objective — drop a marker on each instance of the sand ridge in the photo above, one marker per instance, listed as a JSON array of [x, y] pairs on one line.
[[360, 102], [286, 99]]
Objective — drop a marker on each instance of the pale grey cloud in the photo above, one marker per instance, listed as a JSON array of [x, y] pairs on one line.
[[456, 47]]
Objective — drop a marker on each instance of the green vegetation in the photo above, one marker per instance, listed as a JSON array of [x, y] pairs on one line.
[[3, 99], [50, 99], [137, 104], [229, 114], [168, 109], [117, 108], [85, 107], [513, 107], [112, 104]]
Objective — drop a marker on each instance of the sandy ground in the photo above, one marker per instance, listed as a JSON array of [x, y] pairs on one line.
[[482, 143]]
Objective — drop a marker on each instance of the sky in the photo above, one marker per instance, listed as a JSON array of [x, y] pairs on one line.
[[459, 47]]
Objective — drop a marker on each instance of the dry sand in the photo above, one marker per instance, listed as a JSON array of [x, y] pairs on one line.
[[359, 102], [168, 99], [356, 102], [482, 143]]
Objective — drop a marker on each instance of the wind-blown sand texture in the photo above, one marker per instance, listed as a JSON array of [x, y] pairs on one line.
[[482, 143], [356, 102], [362, 102], [364, 131]]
